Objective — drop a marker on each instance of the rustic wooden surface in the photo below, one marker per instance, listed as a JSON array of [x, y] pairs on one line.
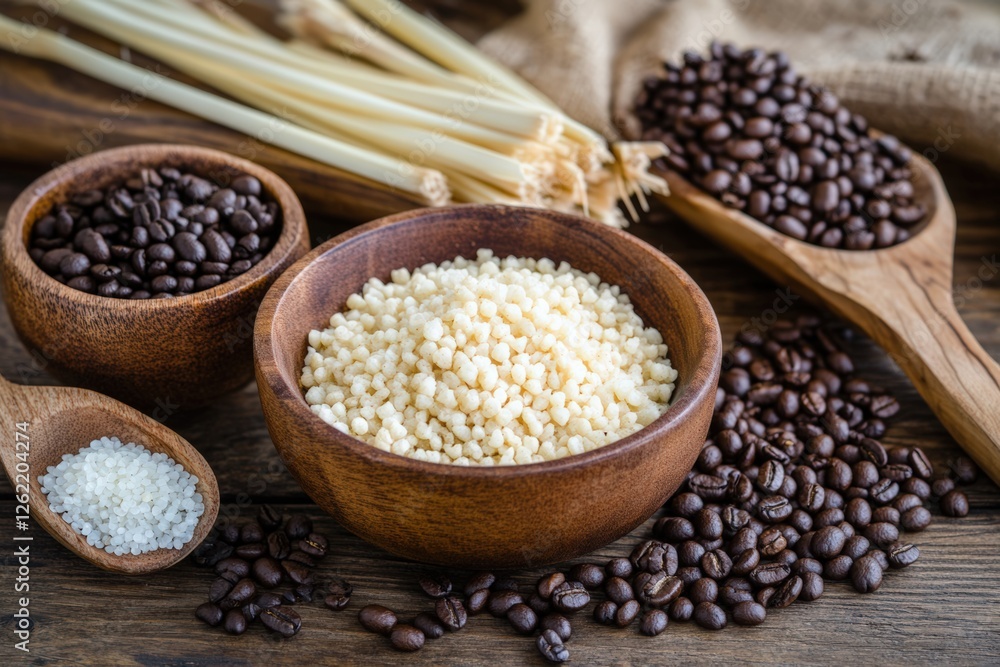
[[945, 608]]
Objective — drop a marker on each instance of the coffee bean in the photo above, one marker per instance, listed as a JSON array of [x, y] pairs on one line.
[[436, 587], [716, 564], [774, 509], [235, 623], [588, 574], [954, 504], [267, 572], [378, 619], [710, 616], [901, 555], [110, 228], [500, 602], [313, 544], [605, 612], [548, 583], [942, 486], [703, 590], [477, 601], [657, 590], [768, 574], [283, 621], [654, 622], [653, 556], [674, 529], [406, 637], [551, 647], [828, 542], [522, 618], [618, 590], [239, 592], [866, 575], [209, 613]]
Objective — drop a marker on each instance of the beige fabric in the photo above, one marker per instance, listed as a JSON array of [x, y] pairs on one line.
[[926, 70]]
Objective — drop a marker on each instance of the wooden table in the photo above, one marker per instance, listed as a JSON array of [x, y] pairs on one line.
[[944, 608]]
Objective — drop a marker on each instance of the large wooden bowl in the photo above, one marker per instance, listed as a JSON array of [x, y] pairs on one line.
[[486, 517], [162, 355]]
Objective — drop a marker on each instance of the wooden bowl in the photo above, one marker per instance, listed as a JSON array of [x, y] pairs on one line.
[[486, 517], [162, 355]]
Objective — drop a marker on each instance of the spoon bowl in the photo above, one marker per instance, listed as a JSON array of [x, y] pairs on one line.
[[63, 420], [900, 296]]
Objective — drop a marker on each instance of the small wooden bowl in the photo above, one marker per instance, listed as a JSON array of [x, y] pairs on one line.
[[162, 355], [486, 517]]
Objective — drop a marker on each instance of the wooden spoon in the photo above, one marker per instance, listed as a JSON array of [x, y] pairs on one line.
[[900, 296], [63, 420]]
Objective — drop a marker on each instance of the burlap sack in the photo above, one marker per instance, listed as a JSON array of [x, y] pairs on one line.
[[925, 70]]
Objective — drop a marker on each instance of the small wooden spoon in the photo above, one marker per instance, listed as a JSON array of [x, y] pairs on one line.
[[63, 420], [900, 296]]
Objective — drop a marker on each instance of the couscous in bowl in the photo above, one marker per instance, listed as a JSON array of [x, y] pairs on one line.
[[477, 516]]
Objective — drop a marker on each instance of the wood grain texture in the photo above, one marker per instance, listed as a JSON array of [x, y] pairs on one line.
[[900, 296], [942, 609], [180, 352], [64, 419], [452, 515]]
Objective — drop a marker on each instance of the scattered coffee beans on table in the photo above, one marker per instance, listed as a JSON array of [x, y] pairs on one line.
[[159, 234], [254, 559], [793, 490], [744, 126]]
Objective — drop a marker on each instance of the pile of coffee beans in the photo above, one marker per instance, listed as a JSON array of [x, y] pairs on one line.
[[747, 128], [252, 561], [793, 491], [160, 234]]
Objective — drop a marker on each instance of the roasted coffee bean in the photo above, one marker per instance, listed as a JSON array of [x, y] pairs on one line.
[[285, 621], [768, 574], [522, 618], [147, 232], [313, 544], [920, 464], [558, 624], [654, 622], [707, 487], [681, 609], [298, 526], [237, 566], [652, 556], [477, 601], [963, 470], [812, 586], [548, 583], [268, 517], [828, 542], [881, 534], [451, 612], [588, 574], [866, 575], [884, 491], [378, 619], [905, 502], [774, 509], [436, 587], [856, 546], [618, 590], [942, 486], [267, 572], [716, 564], [238, 594], [501, 601], [619, 567], [746, 562], [689, 553], [688, 504], [955, 504], [710, 616], [605, 612], [657, 590], [479, 581], [235, 623], [406, 637], [674, 529], [771, 542], [749, 613], [251, 533], [838, 568], [918, 487], [297, 572], [339, 594], [703, 590], [551, 647], [901, 555], [539, 604], [916, 519], [209, 613], [787, 593]]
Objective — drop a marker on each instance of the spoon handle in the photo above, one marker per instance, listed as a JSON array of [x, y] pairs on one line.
[[912, 316]]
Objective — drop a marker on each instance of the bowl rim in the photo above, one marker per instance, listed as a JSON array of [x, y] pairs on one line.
[[701, 387], [15, 250]]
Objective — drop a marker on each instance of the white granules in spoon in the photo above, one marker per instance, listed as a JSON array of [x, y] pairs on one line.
[[123, 498], [488, 362]]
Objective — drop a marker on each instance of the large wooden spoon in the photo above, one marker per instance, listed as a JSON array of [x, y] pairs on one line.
[[62, 420], [900, 296]]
